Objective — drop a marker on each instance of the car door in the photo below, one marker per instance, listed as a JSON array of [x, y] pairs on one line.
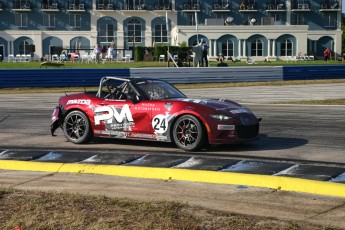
[[122, 118]]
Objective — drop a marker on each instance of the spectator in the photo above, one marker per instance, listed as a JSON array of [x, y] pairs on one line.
[[110, 55], [74, 55], [242, 6], [97, 52], [204, 48], [221, 63], [232, 59], [326, 54]]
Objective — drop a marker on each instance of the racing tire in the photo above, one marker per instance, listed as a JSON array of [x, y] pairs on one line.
[[76, 127], [188, 133]]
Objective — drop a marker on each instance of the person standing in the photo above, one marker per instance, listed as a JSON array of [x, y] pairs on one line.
[[204, 48], [110, 55], [97, 52], [326, 54]]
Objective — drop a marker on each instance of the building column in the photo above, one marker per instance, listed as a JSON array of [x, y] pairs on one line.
[[244, 48], [93, 35], [214, 47], [269, 48], [274, 53], [120, 36], [239, 47], [288, 12]]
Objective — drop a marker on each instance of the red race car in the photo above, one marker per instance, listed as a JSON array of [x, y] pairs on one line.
[[152, 109]]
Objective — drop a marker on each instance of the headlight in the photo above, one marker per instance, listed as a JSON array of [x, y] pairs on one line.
[[220, 117]]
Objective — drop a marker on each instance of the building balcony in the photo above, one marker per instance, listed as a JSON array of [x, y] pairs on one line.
[[105, 7], [247, 8], [301, 8], [191, 8], [141, 7], [51, 7], [217, 8], [329, 8], [275, 8], [23, 7], [162, 7], [76, 8]]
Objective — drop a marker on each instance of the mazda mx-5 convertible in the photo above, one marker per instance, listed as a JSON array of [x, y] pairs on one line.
[[152, 109]]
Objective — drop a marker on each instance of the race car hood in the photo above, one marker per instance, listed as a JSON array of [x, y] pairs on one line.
[[226, 107], [216, 104]]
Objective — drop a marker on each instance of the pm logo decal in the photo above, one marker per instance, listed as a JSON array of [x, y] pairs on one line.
[[109, 113]]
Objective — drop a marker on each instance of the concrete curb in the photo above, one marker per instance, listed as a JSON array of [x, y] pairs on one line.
[[264, 181]]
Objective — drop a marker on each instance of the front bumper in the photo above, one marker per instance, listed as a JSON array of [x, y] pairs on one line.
[[56, 120]]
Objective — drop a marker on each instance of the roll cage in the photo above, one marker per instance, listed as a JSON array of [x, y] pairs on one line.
[[136, 89]]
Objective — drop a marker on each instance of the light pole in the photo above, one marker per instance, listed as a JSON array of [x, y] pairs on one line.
[[133, 46]]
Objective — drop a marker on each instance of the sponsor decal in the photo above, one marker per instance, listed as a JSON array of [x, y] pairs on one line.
[[226, 127], [168, 106], [114, 133], [147, 107], [237, 111], [141, 108], [193, 100], [108, 113], [114, 118], [79, 102], [141, 135], [148, 104], [161, 138]]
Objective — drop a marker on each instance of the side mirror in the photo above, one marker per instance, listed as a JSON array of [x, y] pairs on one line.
[[134, 98]]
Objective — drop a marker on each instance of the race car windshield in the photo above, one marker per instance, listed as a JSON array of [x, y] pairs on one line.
[[159, 90]]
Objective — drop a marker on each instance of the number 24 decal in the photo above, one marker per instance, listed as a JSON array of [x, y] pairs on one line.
[[160, 123]]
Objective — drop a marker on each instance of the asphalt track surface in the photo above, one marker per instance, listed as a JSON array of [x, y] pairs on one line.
[[310, 138]]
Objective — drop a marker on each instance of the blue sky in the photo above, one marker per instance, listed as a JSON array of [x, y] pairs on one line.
[[343, 8]]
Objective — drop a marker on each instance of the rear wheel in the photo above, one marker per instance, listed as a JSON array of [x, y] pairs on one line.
[[188, 133], [77, 128]]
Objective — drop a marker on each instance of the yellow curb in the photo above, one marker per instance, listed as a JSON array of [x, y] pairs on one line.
[[264, 181]]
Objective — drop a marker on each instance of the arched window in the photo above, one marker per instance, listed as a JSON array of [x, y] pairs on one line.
[[256, 48], [228, 48], [286, 48], [24, 47], [160, 33], [134, 30], [106, 33]]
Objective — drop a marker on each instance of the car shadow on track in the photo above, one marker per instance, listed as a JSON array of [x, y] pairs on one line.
[[263, 143], [131, 143]]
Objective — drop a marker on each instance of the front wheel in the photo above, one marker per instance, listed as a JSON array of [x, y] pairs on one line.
[[188, 133], [77, 128]]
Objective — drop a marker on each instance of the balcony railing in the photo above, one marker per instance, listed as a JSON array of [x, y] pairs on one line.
[[329, 7], [301, 7], [105, 7], [191, 7], [275, 8], [22, 7], [135, 7], [76, 7], [221, 8], [247, 7], [51, 7], [162, 7]]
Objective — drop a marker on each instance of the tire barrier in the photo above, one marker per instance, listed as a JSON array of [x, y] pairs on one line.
[[63, 77]]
